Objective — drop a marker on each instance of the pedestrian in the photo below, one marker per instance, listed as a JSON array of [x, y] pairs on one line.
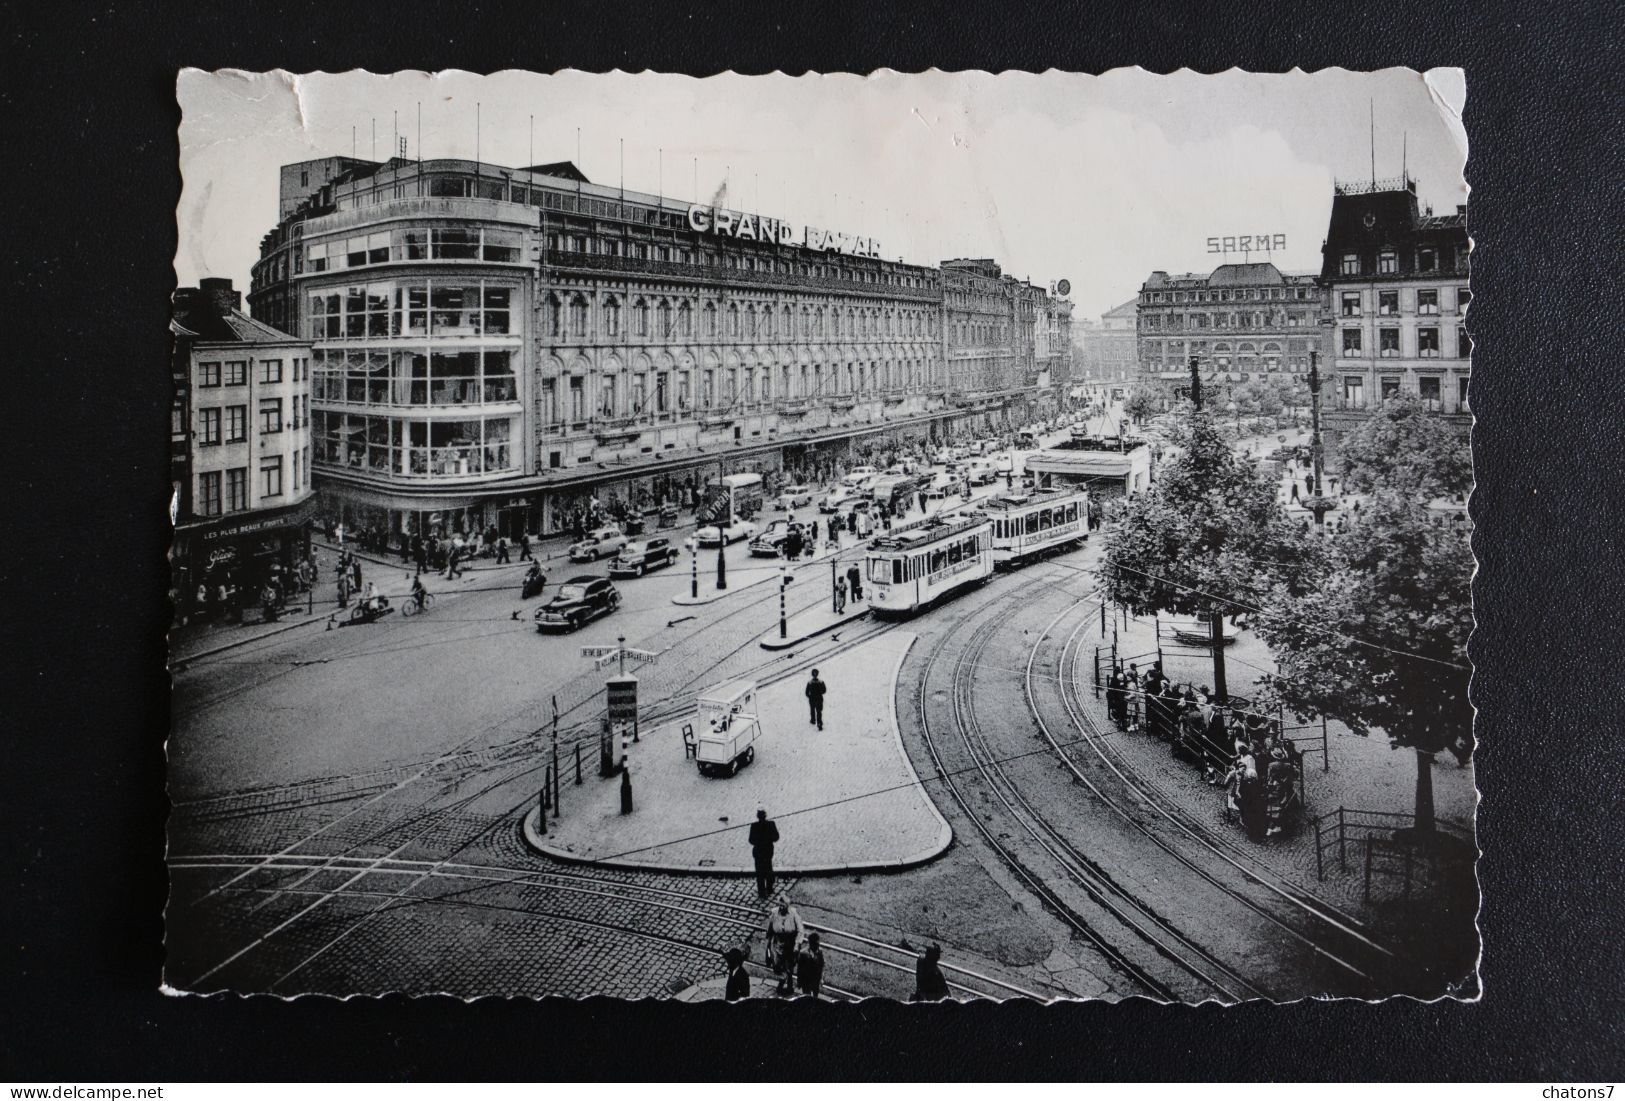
[[840, 595], [738, 986], [419, 555], [810, 967], [1294, 484], [502, 550], [815, 700], [921, 496], [344, 590], [1136, 698], [524, 547], [355, 573], [930, 985], [1254, 800], [764, 834], [1116, 698], [812, 534], [792, 543], [854, 581], [785, 934]]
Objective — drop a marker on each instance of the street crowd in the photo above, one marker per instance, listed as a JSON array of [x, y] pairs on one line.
[[1238, 750]]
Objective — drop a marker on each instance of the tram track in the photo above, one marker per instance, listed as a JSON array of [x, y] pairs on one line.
[[1334, 938], [1051, 859], [842, 942]]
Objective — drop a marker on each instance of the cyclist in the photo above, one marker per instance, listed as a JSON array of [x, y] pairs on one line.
[[417, 591]]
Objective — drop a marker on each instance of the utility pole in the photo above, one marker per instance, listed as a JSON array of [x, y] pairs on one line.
[[1317, 502]]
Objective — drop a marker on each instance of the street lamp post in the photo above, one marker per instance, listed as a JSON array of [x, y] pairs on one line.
[[693, 546], [784, 583], [722, 562]]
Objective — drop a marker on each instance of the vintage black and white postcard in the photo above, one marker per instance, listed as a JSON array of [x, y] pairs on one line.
[[934, 536]]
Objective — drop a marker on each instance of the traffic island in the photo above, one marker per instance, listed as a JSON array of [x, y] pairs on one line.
[[754, 571], [811, 623], [844, 799]]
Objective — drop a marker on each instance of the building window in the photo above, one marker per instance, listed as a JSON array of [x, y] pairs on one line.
[[236, 372], [551, 319], [733, 320], [1427, 302], [208, 493], [1387, 263], [1353, 392], [1428, 390], [270, 416], [710, 319], [1463, 297], [208, 374], [271, 477], [1388, 343], [236, 423], [1427, 259], [578, 316], [1351, 342], [208, 426], [1387, 303], [295, 486], [1427, 342], [270, 370], [663, 318], [1390, 388], [640, 318], [1461, 393], [612, 318], [1350, 264], [1351, 304], [237, 489], [578, 400], [1464, 343], [685, 319]]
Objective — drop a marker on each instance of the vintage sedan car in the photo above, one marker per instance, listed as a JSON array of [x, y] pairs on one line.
[[858, 475], [732, 532], [599, 543], [769, 543], [795, 496], [836, 499], [638, 558], [941, 485], [579, 601]]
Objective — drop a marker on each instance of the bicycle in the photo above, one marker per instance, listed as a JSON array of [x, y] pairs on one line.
[[411, 606]]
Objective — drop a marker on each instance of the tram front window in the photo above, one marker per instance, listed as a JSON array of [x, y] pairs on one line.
[[879, 571]]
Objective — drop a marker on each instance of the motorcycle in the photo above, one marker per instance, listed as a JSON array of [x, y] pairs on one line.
[[533, 584]]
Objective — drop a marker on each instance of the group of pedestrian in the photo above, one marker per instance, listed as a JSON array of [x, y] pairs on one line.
[[348, 580], [849, 587], [1241, 751]]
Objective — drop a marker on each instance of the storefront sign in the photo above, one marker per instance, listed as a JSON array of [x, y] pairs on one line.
[[758, 227], [1261, 242], [245, 527]]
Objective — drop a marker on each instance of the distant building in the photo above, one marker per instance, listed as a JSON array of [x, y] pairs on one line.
[[1240, 321], [1396, 280], [239, 444], [1110, 348]]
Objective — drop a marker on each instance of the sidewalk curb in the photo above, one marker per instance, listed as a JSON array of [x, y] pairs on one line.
[[177, 662], [542, 846], [773, 642]]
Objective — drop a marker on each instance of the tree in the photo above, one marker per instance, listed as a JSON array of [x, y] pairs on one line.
[[1209, 537], [1408, 450], [1140, 404], [1383, 643]]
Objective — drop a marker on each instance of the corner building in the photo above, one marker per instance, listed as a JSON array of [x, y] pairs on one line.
[[1396, 277], [492, 346]]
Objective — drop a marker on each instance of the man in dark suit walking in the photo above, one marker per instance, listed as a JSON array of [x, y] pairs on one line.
[[763, 835], [815, 700]]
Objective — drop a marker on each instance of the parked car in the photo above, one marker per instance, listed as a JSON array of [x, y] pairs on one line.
[[636, 559], [858, 475], [944, 457], [769, 543], [579, 601], [941, 485], [598, 544], [836, 499], [795, 496], [722, 534], [981, 472]]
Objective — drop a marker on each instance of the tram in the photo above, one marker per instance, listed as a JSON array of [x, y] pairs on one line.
[[1036, 522], [912, 567]]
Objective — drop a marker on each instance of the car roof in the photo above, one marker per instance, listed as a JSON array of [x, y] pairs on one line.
[[582, 580]]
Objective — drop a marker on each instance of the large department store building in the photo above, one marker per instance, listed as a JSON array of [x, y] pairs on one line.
[[492, 346]]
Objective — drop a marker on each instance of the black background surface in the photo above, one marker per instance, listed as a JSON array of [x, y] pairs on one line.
[[90, 120]]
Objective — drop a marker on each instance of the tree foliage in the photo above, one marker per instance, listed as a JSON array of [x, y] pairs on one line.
[[1409, 451], [1209, 535], [1383, 644], [1141, 403]]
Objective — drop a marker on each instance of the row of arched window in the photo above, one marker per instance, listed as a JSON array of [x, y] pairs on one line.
[[619, 392], [572, 318], [980, 334]]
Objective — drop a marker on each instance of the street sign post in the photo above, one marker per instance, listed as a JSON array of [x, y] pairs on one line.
[[621, 699]]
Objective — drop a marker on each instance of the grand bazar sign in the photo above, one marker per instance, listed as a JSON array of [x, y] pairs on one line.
[[759, 227]]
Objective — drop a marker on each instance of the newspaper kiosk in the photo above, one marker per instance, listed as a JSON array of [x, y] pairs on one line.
[[727, 728]]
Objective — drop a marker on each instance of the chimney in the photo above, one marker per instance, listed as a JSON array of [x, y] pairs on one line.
[[221, 297]]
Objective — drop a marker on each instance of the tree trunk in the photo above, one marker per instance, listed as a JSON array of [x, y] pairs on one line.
[[1424, 791], [1221, 691]]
